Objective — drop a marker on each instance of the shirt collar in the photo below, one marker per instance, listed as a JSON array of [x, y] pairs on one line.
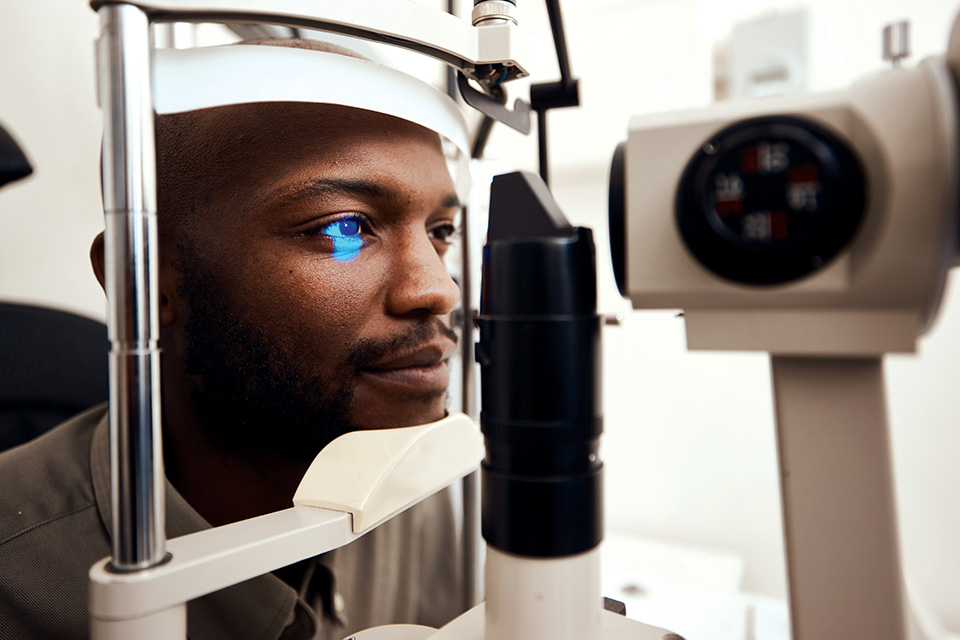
[[258, 608]]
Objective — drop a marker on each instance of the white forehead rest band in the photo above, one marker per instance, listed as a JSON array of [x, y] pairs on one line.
[[191, 79]]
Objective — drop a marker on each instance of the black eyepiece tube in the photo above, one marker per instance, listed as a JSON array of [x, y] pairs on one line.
[[539, 355]]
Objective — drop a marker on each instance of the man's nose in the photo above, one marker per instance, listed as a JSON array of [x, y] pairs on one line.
[[420, 282]]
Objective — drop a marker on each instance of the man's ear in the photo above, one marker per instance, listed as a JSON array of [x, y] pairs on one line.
[[167, 279], [98, 260]]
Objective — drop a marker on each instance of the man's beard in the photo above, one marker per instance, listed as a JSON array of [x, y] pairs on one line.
[[257, 393]]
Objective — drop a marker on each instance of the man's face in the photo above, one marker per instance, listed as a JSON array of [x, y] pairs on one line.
[[312, 286]]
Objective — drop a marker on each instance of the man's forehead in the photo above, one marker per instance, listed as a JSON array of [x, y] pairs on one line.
[[268, 120], [271, 153], [277, 137]]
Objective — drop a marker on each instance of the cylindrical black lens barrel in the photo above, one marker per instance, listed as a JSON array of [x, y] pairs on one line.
[[541, 417]]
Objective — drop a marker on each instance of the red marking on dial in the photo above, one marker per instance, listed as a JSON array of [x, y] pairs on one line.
[[749, 161], [779, 225], [804, 173], [728, 207]]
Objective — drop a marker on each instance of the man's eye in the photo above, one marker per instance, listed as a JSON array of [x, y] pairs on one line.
[[346, 235], [445, 233], [345, 228]]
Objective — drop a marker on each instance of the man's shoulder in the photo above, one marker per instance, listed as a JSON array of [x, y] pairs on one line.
[[51, 532], [48, 478]]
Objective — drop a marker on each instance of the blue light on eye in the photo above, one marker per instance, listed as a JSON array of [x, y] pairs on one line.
[[347, 241], [349, 227]]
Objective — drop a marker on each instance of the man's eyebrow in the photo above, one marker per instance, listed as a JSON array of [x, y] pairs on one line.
[[360, 188], [332, 186]]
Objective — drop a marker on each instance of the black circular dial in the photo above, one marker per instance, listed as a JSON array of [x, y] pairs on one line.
[[770, 200]]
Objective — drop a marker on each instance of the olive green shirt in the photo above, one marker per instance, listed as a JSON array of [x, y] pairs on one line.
[[54, 524]]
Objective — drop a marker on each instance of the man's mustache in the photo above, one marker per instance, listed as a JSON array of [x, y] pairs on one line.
[[369, 350]]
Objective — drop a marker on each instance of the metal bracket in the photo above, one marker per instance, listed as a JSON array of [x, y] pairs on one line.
[[518, 118], [402, 23]]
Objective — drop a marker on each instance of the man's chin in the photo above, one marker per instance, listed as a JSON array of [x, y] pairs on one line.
[[369, 411]]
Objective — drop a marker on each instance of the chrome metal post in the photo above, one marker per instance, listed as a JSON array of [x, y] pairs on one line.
[[129, 203], [175, 35], [470, 538]]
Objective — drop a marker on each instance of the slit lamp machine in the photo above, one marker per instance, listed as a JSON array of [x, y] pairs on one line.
[[817, 228]]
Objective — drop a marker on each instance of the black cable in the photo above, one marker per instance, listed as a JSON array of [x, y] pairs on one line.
[[481, 137], [542, 144], [451, 72], [560, 41]]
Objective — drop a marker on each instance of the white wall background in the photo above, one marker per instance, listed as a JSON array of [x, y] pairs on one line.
[[690, 442]]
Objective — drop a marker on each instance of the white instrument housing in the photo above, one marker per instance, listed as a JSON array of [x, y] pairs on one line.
[[881, 292]]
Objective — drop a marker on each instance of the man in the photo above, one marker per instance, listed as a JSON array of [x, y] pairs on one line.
[[302, 295]]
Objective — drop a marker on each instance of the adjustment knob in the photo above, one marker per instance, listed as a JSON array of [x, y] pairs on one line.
[[770, 200]]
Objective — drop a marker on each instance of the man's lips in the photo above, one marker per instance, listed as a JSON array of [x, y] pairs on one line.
[[435, 377], [424, 356], [424, 369]]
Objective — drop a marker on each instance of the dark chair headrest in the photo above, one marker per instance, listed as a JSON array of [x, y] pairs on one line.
[[13, 163], [53, 364]]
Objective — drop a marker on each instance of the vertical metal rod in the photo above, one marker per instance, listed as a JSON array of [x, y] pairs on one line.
[[542, 145], [472, 589], [177, 35], [470, 523], [470, 537], [836, 483], [129, 202]]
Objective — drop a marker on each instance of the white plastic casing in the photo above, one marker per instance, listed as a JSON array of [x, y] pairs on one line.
[[374, 475], [199, 78], [881, 292]]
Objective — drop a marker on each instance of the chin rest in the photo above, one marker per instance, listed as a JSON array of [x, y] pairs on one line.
[[376, 474]]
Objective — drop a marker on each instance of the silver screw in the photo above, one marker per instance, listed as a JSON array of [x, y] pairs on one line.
[[494, 12]]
